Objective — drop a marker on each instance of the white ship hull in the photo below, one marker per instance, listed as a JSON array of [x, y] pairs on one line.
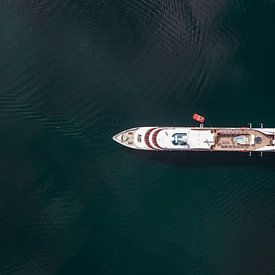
[[198, 139]]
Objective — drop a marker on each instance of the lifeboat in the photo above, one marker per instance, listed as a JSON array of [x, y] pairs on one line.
[[198, 118]]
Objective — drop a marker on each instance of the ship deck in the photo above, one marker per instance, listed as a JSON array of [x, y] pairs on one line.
[[240, 139]]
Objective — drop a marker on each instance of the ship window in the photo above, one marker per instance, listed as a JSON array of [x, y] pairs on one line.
[[179, 139], [139, 138]]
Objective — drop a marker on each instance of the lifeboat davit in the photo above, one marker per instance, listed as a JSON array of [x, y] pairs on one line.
[[198, 118]]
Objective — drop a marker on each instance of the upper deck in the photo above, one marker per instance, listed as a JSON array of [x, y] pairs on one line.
[[242, 139]]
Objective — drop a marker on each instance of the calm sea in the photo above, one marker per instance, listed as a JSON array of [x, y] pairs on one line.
[[75, 72]]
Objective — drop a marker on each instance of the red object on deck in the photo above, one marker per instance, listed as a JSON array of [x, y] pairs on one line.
[[198, 118]]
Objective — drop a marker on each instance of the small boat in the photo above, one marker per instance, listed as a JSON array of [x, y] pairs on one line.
[[198, 118]]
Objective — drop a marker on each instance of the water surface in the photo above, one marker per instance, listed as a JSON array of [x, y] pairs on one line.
[[74, 73]]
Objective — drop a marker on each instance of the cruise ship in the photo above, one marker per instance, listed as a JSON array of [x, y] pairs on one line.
[[246, 139]]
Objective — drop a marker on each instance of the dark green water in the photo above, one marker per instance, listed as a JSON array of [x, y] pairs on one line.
[[74, 73]]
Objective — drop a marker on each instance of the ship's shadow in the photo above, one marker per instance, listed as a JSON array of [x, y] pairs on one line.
[[207, 159]]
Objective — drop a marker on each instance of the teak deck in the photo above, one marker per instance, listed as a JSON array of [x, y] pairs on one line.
[[224, 139]]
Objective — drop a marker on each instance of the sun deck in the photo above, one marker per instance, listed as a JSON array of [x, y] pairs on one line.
[[227, 139]]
